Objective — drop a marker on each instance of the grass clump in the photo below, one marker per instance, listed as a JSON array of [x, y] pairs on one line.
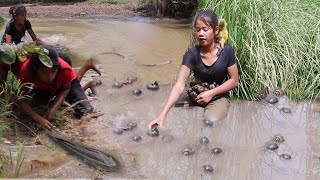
[[277, 44], [11, 92]]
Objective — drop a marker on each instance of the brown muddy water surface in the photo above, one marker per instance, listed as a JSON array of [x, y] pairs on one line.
[[242, 136]]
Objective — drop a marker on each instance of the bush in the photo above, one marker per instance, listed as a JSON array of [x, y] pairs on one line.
[[182, 8], [277, 44]]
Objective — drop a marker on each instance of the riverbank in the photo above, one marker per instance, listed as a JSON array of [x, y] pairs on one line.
[[84, 9]]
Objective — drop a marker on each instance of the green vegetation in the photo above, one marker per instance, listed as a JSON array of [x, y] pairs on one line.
[[11, 93], [118, 1], [2, 21], [277, 44]]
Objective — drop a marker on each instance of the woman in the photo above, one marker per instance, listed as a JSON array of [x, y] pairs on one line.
[[58, 82], [17, 26], [209, 63]]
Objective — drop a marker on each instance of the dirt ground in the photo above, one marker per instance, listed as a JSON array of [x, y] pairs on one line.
[[86, 10]]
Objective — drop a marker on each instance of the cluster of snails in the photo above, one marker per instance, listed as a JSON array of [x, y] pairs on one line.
[[127, 127], [197, 89], [128, 81], [188, 151], [278, 139]]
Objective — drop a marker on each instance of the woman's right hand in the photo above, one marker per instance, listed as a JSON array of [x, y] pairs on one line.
[[158, 121], [45, 123]]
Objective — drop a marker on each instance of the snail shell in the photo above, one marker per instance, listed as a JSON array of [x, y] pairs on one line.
[[136, 92], [278, 92], [136, 138], [195, 87], [208, 168], [216, 150], [204, 140], [132, 124], [193, 94], [286, 110], [205, 84], [117, 84], [188, 151], [212, 86], [208, 123], [129, 126], [272, 146], [132, 78], [153, 87], [201, 89], [272, 100], [278, 139], [285, 156], [153, 132], [128, 82], [117, 131]]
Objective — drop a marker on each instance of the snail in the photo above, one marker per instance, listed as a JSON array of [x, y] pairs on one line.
[[129, 126], [132, 78], [136, 138], [286, 110], [153, 132], [136, 92], [204, 140], [208, 168], [216, 150], [188, 151], [128, 82], [117, 85], [272, 146], [213, 85], [278, 92], [272, 100], [193, 94], [285, 156], [205, 84], [278, 139], [208, 122], [153, 87], [117, 131]]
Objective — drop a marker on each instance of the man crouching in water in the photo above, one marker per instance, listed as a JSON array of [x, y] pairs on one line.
[[54, 80]]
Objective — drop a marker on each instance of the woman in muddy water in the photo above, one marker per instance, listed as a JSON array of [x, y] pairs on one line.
[[17, 26], [209, 63], [58, 82]]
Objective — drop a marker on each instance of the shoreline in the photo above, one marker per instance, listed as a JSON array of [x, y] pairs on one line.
[[127, 12]]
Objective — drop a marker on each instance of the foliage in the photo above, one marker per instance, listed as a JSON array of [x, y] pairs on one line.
[[2, 21], [182, 8], [19, 160], [277, 44]]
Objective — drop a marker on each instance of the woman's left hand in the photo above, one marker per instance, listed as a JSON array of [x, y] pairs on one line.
[[204, 97]]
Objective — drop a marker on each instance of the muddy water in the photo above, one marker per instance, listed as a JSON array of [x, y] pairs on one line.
[[242, 136]]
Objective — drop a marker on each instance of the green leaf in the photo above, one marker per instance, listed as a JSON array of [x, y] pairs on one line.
[[7, 54], [46, 60]]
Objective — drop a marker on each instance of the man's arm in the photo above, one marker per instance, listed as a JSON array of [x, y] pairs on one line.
[[63, 93]]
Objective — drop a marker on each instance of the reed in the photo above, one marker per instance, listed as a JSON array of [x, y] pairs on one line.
[[277, 44]]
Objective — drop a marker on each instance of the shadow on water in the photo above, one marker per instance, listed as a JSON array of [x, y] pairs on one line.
[[242, 136]]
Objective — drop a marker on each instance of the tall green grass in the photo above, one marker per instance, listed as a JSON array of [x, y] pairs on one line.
[[277, 44], [10, 94]]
